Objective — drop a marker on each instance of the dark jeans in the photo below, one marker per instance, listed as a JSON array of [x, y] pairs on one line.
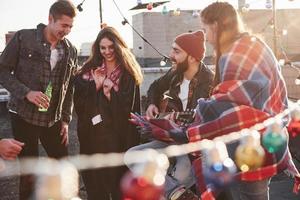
[[30, 134], [102, 183]]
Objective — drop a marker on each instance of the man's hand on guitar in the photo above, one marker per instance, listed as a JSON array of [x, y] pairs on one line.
[[152, 111]]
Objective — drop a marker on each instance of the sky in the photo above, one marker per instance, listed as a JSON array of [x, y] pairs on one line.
[[19, 14]]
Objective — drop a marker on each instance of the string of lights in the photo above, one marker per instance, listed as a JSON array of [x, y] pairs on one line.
[[125, 21], [83, 162]]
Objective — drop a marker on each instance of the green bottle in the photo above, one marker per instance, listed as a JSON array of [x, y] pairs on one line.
[[48, 92]]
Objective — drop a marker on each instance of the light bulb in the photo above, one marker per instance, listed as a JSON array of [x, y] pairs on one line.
[[150, 6], [164, 10], [245, 9], [281, 62], [164, 61], [176, 12], [195, 13], [297, 81], [284, 32], [268, 4]]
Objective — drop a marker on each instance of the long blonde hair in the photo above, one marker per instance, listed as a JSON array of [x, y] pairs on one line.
[[123, 54], [229, 26]]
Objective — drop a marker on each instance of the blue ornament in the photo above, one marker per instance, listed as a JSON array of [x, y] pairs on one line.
[[219, 174]]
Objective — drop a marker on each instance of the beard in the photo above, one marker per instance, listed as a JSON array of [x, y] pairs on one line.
[[182, 66]]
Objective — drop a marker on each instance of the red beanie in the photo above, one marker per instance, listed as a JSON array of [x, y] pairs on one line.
[[192, 43]]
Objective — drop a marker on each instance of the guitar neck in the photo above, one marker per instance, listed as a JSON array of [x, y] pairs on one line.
[[177, 114]]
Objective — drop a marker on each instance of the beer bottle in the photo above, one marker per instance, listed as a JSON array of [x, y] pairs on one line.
[[48, 92]]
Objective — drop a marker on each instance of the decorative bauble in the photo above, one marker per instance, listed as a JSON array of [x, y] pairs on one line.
[[294, 128], [138, 188], [274, 139], [221, 174], [269, 4], [149, 6], [218, 168], [164, 11], [249, 155]]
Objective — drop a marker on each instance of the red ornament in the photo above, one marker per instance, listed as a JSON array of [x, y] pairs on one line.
[[150, 6], [294, 125], [139, 188], [294, 128]]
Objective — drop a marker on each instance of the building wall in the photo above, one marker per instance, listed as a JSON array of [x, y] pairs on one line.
[[8, 36], [160, 30]]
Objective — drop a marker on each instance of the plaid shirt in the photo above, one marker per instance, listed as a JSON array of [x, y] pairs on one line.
[[55, 76], [251, 90], [25, 66]]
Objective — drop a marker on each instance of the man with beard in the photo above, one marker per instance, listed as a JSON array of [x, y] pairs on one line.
[[178, 90], [187, 80], [37, 67]]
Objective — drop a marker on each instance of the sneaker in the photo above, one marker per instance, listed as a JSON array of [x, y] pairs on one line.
[[177, 193]]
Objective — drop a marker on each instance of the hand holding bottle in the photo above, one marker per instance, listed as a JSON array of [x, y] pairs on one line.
[[38, 98], [48, 93]]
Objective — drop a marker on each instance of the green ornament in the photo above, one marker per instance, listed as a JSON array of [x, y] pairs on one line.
[[274, 141]]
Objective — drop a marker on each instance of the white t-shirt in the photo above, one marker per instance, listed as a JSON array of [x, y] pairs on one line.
[[184, 92], [53, 58]]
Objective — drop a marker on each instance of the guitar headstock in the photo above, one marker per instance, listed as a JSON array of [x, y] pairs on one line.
[[185, 117]]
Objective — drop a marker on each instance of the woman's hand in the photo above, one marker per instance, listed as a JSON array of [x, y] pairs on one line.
[[107, 85], [99, 77]]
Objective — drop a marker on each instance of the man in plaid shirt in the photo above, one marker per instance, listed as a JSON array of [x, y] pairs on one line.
[[31, 60]]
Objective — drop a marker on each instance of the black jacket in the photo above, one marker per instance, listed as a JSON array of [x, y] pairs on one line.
[[25, 55], [114, 133], [169, 84]]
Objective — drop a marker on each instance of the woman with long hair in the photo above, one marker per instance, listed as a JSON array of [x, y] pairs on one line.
[[249, 88], [106, 91]]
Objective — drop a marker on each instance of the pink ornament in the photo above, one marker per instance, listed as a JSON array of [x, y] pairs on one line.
[[138, 188], [150, 6]]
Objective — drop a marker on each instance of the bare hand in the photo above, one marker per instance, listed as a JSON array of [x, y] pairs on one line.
[[170, 116], [152, 111], [107, 85], [64, 133], [38, 98], [99, 77], [10, 148]]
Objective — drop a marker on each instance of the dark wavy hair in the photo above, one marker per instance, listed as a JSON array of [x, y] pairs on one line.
[[123, 54]]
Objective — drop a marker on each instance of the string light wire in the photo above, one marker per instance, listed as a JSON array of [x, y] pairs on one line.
[[125, 21], [83, 162]]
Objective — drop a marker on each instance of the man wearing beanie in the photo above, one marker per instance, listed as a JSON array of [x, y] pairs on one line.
[[178, 90], [188, 79]]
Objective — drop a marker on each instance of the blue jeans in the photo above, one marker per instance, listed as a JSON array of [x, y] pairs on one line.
[[180, 175], [246, 190]]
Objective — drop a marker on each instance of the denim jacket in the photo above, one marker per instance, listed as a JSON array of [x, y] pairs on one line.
[[21, 65]]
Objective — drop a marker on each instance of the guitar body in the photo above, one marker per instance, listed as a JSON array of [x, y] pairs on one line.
[[169, 104]]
